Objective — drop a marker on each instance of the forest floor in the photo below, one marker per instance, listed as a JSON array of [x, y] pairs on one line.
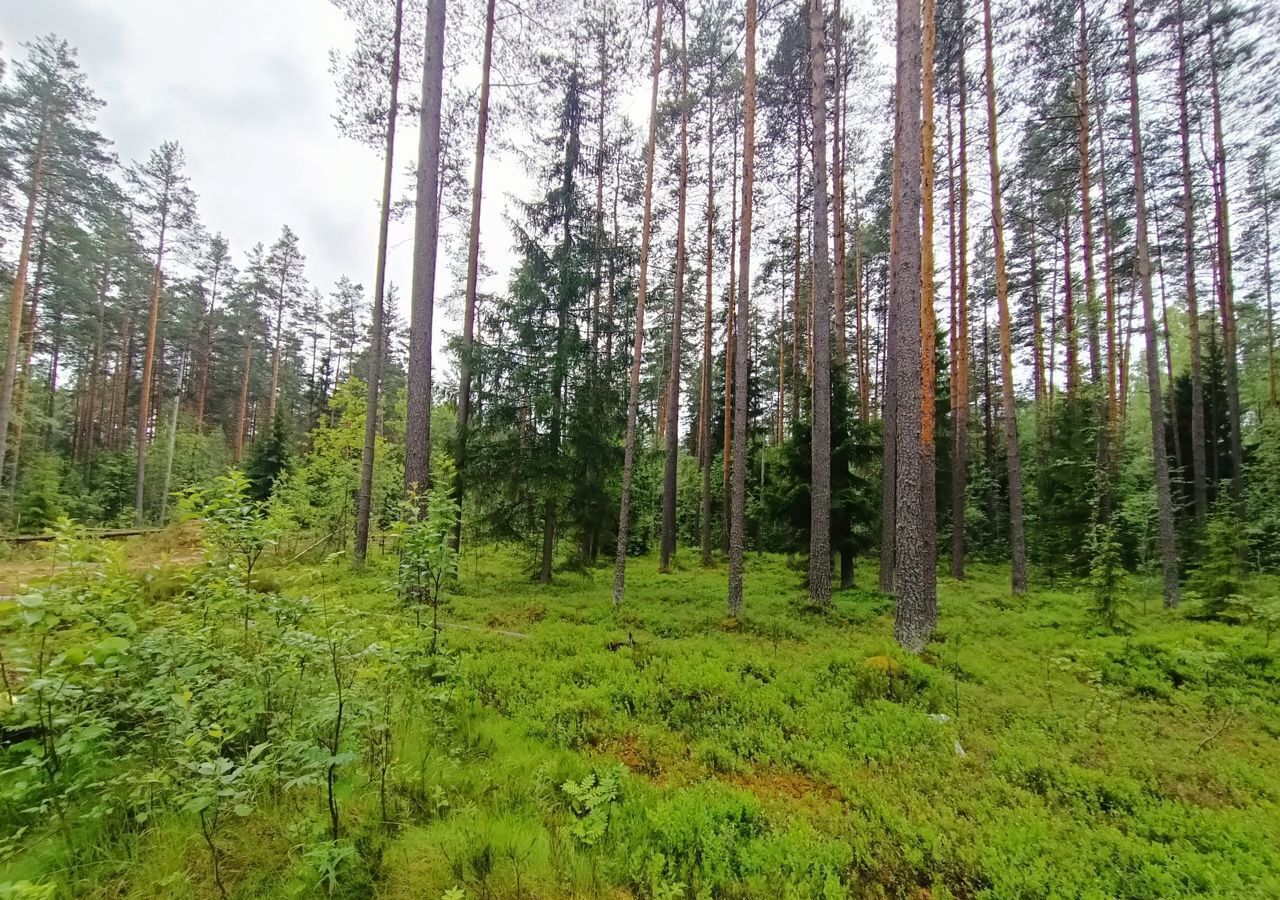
[[662, 750]]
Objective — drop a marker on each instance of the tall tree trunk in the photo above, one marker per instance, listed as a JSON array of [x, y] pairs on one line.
[[172, 439], [1084, 126], [642, 290], [928, 321], [672, 461], [1114, 399], [426, 240], [242, 410], [729, 344], [797, 278], [704, 399], [837, 168], [1017, 534], [960, 386], [27, 350], [148, 360], [914, 615], [1226, 284], [889, 347], [1164, 494], [737, 537], [364, 495], [206, 348], [16, 295], [820, 443], [473, 268]]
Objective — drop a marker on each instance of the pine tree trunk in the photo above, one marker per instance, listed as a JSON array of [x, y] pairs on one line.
[[672, 461], [1084, 126], [959, 344], [888, 378], [473, 269], [1226, 284], [737, 537], [148, 360], [364, 495], [1164, 494], [426, 239], [16, 295], [914, 615], [928, 321], [837, 169], [704, 404], [729, 345], [820, 443], [1114, 398], [242, 413], [206, 349], [1017, 534], [642, 290]]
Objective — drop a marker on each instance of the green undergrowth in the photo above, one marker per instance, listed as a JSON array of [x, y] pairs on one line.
[[552, 745]]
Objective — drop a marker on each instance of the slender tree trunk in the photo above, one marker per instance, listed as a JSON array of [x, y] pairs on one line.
[[729, 344], [172, 440], [1226, 284], [888, 380], [1114, 400], [364, 495], [148, 360], [960, 345], [820, 443], [1164, 494], [928, 322], [737, 538], [633, 402], [837, 168], [1017, 534], [672, 461], [1102, 399], [242, 414], [704, 399], [914, 614], [206, 348], [16, 295], [797, 255], [465, 361], [426, 240]]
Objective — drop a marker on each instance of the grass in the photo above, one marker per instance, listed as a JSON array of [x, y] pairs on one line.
[[789, 754]]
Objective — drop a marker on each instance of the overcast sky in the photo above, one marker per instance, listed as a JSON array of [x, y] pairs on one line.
[[244, 87]]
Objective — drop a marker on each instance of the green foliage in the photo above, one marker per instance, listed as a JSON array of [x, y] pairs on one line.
[[236, 523], [268, 459], [1219, 573], [317, 494], [1107, 581], [425, 543]]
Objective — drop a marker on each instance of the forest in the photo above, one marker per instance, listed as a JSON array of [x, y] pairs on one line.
[[861, 478]]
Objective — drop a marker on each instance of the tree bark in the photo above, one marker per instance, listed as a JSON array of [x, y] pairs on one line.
[[672, 461], [148, 360], [704, 399], [1017, 533], [1226, 284], [729, 343], [928, 320], [914, 616], [642, 290], [473, 269], [820, 442], [737, 537], [426, 240], [1164, 494], [364, 495], [16, 295]]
